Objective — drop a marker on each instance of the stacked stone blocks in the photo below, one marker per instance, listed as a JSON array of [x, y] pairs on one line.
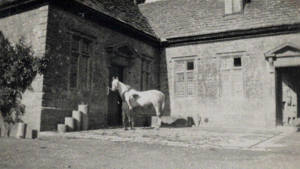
[[78, 121]]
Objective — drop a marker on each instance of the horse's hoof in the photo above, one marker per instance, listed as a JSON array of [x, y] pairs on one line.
[[125, 129]]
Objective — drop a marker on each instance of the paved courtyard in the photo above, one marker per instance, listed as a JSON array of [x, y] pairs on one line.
[[194, 137], [196, 147]]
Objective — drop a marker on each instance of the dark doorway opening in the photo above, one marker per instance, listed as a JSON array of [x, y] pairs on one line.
[[114, 117], [287, 94]]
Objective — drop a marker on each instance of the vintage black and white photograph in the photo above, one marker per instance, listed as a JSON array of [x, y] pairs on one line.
[[150, 84]]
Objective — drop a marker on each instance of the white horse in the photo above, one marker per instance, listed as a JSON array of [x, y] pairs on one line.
[[135, 98]]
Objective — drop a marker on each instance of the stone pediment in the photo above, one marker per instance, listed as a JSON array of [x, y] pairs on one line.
[[284, 50], [285, 55], [123, 49], [122, 54]]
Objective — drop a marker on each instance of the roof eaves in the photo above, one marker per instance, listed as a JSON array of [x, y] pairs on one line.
[[149, 32], [221, 36], [13, 3]]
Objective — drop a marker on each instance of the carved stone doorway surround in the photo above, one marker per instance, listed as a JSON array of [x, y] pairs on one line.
[[120, 58], [284, 63]]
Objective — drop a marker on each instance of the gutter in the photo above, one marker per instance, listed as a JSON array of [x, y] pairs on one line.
[[13, 4], [231, 35]]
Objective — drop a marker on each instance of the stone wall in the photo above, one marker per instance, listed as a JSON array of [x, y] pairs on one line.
[[58, 99], [255, 108], [32, 26], [164, 76]]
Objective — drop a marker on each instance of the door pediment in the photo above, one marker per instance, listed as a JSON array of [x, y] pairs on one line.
[[122, 54], [123, 49], [284, 50], [285, 55]]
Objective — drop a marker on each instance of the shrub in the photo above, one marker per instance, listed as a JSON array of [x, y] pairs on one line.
[[18, 68]]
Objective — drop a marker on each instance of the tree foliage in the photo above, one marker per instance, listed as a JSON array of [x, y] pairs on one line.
[[18, 68]]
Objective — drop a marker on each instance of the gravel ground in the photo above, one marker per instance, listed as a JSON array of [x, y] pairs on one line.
[[197, 137], [93, 153]]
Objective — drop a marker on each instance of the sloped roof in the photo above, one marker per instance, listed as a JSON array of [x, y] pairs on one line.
[[2, 2], [122, 10], [183, 18]]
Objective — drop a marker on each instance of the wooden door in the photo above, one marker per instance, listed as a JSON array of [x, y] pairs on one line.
[[114, 100]]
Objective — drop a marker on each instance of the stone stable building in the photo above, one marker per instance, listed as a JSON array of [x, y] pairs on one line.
[[88, 42], [227, 60]]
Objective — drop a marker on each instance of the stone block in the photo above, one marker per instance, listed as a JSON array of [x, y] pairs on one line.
[[78, 118], [70, 123], [21, 133], [61, 128], [84, 109]]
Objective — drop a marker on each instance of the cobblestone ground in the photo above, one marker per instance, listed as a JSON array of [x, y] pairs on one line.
[[243, 139]]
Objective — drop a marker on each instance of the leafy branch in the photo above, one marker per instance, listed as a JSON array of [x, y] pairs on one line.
[[18, 68]]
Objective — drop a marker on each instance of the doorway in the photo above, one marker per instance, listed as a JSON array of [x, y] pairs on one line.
[[114, 117], [287, 94]]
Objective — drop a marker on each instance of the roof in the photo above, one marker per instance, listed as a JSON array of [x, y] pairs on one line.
[[2, 2], [184, 18], [124, 11]]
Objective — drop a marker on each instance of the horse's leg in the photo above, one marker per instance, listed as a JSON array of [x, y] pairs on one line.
[[158, 114], [159, 109], [127, 99]]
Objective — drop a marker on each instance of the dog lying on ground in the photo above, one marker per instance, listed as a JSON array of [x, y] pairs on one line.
[[296, 123]]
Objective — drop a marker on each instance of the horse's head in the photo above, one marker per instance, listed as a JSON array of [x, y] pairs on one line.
[[115, 84]]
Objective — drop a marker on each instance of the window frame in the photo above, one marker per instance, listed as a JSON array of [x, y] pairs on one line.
[[231, 69], [146, 69], [81, 55], [186, 60]]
